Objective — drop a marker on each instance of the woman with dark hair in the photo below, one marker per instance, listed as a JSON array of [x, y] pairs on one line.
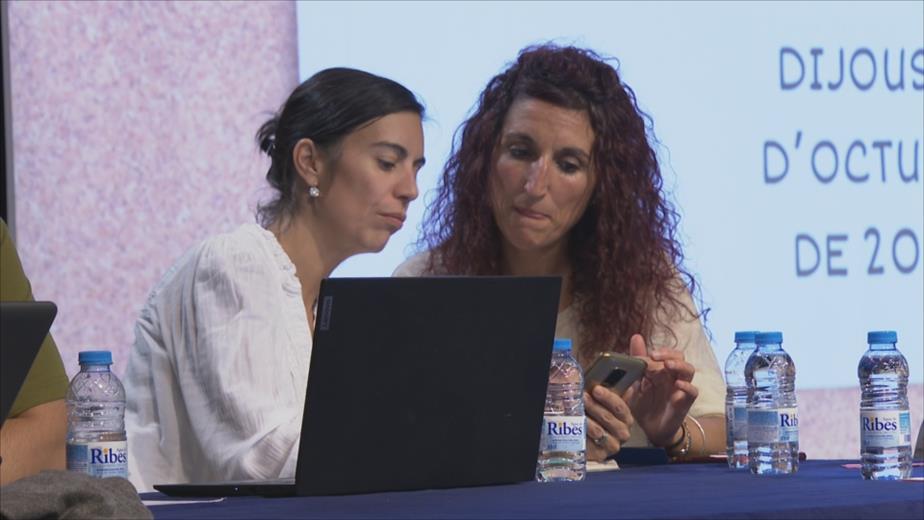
[[216, 381], [553, 174]]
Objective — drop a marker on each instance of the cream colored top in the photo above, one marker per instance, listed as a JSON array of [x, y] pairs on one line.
[[691, 340]]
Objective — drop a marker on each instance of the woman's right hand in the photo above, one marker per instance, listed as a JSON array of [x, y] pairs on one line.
[[608, 422], [664, 395]]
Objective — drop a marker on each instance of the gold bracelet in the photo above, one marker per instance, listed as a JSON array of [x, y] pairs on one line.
[[702, 449]]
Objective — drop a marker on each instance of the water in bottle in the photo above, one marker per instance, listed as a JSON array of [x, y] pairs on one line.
[[562, 445], [885, 423], [773, 421], [96, 443], [736, 400]]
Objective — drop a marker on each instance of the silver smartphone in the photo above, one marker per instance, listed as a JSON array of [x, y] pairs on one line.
[[614, 371]]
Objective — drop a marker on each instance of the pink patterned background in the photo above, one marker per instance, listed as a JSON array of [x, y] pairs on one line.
[[133, 128]]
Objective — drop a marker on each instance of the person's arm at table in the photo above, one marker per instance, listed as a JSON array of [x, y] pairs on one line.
[[662, 403], [234, 368], [709, 440], [33, 441], [691, 360], [661, 400], [33, 436]]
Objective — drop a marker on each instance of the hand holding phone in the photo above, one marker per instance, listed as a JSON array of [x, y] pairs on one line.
[[608, 417], [614, 371]]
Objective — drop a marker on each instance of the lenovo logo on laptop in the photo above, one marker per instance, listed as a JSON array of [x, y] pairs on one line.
[[326, 305]]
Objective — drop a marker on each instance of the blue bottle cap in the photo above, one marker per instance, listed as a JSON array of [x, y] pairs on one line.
[[768, 338], [881, 336], [562, 344], [746, 336], [95, 357]]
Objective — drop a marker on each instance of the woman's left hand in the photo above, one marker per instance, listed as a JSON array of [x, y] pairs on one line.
[[608, 423], [664, 395]]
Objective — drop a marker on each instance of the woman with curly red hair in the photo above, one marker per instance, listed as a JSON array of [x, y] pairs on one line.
[[553, 174]]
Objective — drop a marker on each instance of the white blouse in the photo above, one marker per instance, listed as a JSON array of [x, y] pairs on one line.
[[217, 377]]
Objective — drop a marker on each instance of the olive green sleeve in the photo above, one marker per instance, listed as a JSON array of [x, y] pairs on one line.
[[46, 380]]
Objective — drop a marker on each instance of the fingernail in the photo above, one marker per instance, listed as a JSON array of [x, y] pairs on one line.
[[599, 391]]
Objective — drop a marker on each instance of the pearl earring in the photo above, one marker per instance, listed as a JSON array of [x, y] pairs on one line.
[[313, 192]]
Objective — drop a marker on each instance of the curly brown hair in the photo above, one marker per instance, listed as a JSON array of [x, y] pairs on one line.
[[625, 257]]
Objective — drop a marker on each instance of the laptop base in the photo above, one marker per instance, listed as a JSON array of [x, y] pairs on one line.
[[241, 488]]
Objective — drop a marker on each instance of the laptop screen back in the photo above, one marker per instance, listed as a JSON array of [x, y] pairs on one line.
[[426, 383]]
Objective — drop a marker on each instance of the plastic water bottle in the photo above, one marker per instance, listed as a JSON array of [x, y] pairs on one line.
[[885, 423], [736, 400], [96, 443], [562, 445], [773, 420]]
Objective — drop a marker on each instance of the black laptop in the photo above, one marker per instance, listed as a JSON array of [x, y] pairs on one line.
[[419, 383], [23, 327]]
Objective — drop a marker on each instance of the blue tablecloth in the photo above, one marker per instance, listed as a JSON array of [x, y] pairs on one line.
[[821, 489]]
